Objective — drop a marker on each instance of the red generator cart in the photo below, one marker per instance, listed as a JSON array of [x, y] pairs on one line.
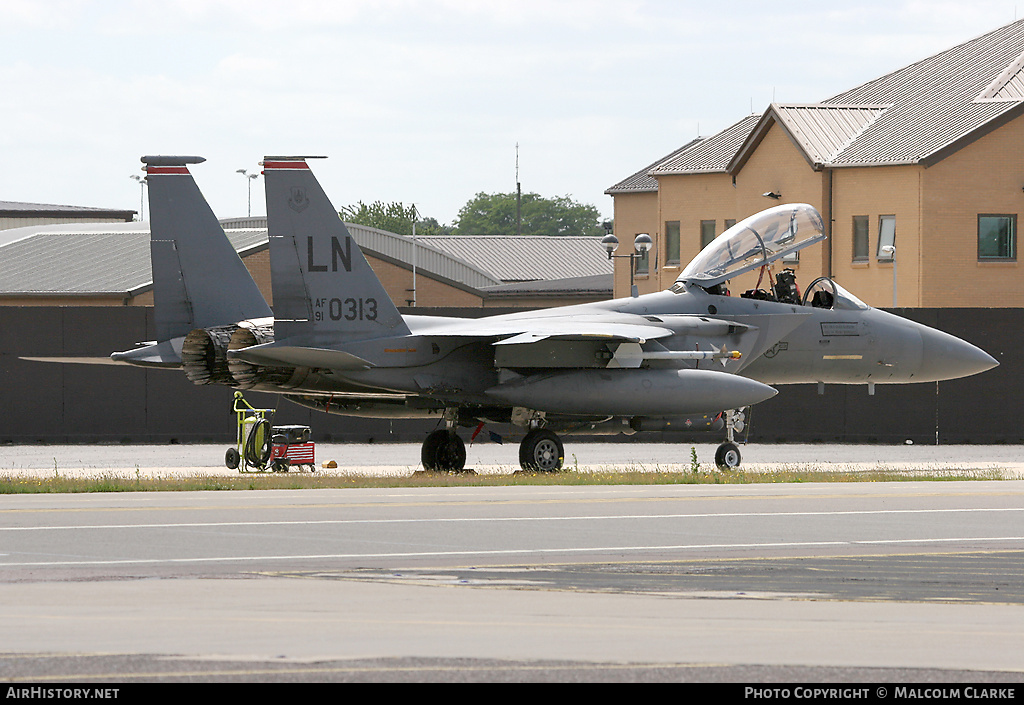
[[290, 446]]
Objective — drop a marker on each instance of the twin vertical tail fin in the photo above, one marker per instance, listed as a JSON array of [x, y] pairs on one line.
[[199, 281], [324, 290]]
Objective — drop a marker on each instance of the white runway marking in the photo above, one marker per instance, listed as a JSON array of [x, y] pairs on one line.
[[610, 517], [503, 552]]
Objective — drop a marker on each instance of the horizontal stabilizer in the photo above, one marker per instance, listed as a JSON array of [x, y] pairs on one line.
[[76, 360], [166, 353]]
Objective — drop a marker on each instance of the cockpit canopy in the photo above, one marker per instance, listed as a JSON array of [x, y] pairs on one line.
[[754, 242]]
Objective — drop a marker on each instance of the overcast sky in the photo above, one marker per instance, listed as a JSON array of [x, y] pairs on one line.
[[420, 101]]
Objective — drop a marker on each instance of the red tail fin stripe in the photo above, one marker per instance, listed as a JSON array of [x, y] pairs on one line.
[[285, 165], [167, 170]]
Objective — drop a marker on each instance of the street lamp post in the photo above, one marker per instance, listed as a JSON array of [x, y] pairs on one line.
[[415, 252], [642, 244], [142, 193], [248, 179]]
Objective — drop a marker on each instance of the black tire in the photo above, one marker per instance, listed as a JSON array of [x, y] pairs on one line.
[[727, 457], [443, 451], [231, 458], [541, 451]]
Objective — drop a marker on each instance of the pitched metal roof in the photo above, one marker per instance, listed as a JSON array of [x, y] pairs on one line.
[[642, 181], [86, 259], [938, 104], [528, 257], [597, 285], [35, 210], [916, 115], [822, 131], [114, 258], [712, 154]]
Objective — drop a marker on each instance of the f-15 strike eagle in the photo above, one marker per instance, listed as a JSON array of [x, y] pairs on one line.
[[692, 356]]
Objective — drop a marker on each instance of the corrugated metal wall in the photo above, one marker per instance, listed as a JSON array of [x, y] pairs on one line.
[[55, 403]]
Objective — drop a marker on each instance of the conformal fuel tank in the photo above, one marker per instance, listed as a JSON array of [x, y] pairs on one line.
[[632, 392]]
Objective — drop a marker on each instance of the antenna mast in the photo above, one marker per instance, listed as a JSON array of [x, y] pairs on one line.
[[519, 198]]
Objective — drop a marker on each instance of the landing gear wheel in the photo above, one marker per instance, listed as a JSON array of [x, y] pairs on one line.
[[232, 458], [443, 451], [541, 451], [727, 457]]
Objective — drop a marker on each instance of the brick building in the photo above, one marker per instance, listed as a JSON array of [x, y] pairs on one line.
[[919, 176]]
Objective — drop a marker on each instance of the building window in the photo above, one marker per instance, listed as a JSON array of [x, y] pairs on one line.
[[997, 237], [642, 263], [672, 242], [729, 222], [860, 238], [707, 232], [886, 237]]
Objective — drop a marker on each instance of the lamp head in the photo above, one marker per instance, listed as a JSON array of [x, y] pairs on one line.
[[610, 243], [643, 243]]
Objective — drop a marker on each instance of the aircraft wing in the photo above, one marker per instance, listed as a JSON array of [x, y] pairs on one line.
[[523, 331], [278, 355]]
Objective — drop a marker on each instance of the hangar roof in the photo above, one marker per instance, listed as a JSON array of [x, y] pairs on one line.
[[113, 258], [86, 258], [527, 257], [594, 285], [13, 209]]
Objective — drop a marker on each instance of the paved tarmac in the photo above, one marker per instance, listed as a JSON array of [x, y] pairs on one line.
[[904, 582], [491, 458]]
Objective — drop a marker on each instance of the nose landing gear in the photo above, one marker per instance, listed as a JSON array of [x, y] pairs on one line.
[[727, 457]]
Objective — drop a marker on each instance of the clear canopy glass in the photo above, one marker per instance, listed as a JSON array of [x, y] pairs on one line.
[[754, 242]]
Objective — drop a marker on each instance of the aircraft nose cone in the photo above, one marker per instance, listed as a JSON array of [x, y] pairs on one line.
[[944, 356]]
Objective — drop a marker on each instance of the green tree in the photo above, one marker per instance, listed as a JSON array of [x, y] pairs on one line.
[[495, 214], [394, 217]]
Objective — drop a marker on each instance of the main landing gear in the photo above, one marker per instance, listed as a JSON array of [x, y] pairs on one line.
[[727, 457], [540, 451], [443, 451]]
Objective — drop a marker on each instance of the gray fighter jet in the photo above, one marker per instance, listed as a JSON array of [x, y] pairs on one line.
[[690, 357]]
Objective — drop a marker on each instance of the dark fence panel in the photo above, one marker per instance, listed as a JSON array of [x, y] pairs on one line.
[[79, 403]]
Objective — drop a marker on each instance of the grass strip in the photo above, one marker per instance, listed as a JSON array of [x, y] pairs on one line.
[[111, 482]]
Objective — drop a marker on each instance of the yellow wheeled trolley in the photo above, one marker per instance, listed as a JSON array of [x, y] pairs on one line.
[[260, 447]]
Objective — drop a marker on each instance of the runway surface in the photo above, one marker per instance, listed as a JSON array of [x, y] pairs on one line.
[[877, 582], [492, 458]]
